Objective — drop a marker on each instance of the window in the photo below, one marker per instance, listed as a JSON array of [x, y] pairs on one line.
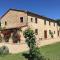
[[21, 19], [49, 22], [44, 22], [35, 20], [5, 23], [36, 31], [31, 19]]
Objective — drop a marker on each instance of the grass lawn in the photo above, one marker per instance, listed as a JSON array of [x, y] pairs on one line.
[[13, 57], [50, 51]]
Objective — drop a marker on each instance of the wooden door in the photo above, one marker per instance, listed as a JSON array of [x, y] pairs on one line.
[[58, 33], [45, 34]]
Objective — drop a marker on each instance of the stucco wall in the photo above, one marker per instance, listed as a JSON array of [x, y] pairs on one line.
[[13, 19], [41, 27]]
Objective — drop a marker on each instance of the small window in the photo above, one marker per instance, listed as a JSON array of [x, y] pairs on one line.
[[44, 22], [49, 22], [31, 19], [5, 23], [36, 31], [21, 19], [35, 20]]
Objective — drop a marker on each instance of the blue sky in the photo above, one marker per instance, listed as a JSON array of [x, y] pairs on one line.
[[48, 8]]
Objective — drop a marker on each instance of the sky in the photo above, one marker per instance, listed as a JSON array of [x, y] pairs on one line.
[[48, 8]]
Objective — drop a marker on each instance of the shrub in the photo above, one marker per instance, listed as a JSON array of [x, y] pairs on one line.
[[4, 50], [36, 55]]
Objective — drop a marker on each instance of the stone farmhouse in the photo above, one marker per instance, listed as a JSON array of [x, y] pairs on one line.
[[13, 21]]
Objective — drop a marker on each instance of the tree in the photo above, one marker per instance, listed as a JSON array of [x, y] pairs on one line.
[[34, 52]]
